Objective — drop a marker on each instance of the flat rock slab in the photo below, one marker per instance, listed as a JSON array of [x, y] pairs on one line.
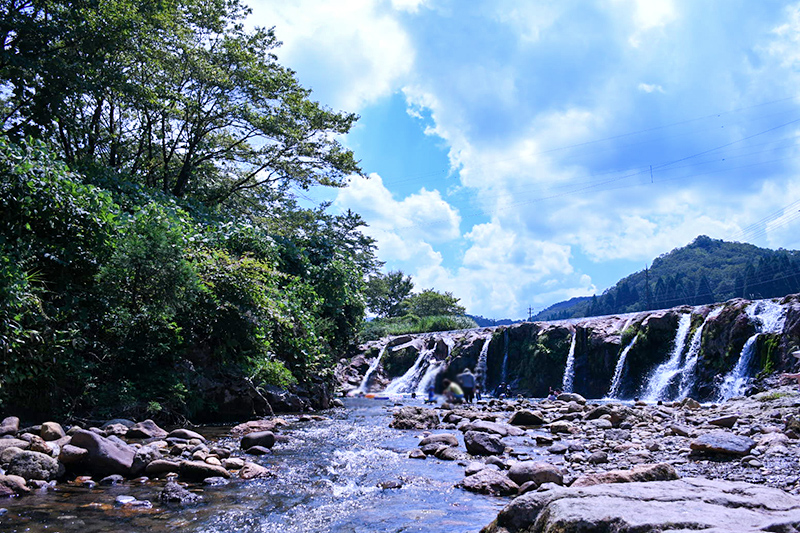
[[723, 442], [687, 504]]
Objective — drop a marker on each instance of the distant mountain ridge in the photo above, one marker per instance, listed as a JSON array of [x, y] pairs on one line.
[[705, 271]]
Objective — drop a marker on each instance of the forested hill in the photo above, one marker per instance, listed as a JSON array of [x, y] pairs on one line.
[[706, 271]]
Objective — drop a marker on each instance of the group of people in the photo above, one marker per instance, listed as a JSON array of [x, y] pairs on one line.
[[465, 390]]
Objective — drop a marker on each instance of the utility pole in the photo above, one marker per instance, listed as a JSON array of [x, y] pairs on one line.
[[530, 313]]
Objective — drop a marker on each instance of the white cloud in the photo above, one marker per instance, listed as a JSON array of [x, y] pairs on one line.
[[351, 53], [649, 88], [412, 6], [650, 15]]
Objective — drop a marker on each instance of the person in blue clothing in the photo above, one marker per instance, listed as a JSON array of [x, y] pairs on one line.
[[467, 380]]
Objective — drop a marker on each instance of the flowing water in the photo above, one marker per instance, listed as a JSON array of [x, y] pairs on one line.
[[504, 368], [327, 476], [480, 367], [364, 386], [408, 382], [687, 372], [569, 370], [616, 381], [665, 373]]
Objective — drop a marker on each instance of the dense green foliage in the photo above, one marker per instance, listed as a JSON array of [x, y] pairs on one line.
[[414, 324], [385, 293], [151, 245], [705, 271]]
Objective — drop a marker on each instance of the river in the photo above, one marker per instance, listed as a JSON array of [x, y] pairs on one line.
[[327, 477]]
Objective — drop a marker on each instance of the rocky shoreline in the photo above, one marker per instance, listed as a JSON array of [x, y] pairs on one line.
[[574, 465]]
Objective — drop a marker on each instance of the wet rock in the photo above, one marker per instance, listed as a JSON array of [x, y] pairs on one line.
[[146, 429], [159, 467], [253, 426], [604, 410], [33, 465], [11, 485], [265, 439], [486, 426], [253, 471], [571, 397], [390, 484], [257, 450], [690, 403], [727, 421], [447, 439], [199, 470], [489, 481], [215, 481], [641, 473], [9, 426], [723, 442], [115, 479], [686, 505], [558, 448], [52, 431], [175, 494], [479, 443], [413, 417], [561, 426], [417, 454], [143, 457], [617, 434], [525, 417], [105, 456], [538, 472], [188, 434], [448, 453], [233, 463]]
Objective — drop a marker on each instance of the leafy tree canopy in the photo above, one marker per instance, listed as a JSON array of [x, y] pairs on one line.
[[430, 303], [385, 293]]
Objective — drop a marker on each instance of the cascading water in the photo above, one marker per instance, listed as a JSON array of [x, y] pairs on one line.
[[687, 371], [407, 383], [504, 371], [480, 367], [569, 370], [768, 317], [663, 375], [616, 381], [364, 386]]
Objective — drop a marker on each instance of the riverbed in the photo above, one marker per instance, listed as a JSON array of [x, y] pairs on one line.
[[327, 477]]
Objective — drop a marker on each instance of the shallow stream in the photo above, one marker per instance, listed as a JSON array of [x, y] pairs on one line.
[[327, 477]]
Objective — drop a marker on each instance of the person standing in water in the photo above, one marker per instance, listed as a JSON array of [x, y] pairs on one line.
[[467, 380]]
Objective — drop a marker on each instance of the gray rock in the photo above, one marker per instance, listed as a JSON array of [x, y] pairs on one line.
[[146, 429], [558, 448], [72, 455], [253, 471], [413, 417], [640, 473], [115, 430], [105, 456], [144, 456], [159, 467], [618, 434], [13, 485], [479, 443], [258, 450], [9, 426], [175, 494], [187, 434], [13, 443], [571, 397], [417, 454], [723, 442], [115, 479], [683, 505], [447, 439], [537, 471], [33, 465], [724, 421], [614, 416], [524, 417], [8, 454], [486, 426], [449, 453], [680, 430], [265, 439], [52, 431], [199, 470], [489, 481], [118, 421], [597, 458]]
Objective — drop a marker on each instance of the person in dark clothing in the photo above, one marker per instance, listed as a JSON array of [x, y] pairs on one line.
[[467, 380]]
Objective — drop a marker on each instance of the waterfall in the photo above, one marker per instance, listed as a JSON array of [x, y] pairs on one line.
[[768, 317], [687, 371], [663, 375], [407, 383], [429, 378], [504, 371], [569, 370], [364, 386], [613, 392], [480, 367]]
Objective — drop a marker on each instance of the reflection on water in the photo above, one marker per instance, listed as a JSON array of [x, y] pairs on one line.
[[327, 477]]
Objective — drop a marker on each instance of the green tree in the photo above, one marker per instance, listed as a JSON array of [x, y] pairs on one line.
[[430, 303], [385, 293]]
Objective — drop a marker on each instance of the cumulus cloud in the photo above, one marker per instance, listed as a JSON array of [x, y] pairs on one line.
[[650, 87]]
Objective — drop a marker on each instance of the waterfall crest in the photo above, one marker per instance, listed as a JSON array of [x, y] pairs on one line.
[[569, 370]]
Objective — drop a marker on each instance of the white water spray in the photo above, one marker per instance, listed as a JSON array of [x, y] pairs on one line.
[[616, 381], [364, 385], [663, 375], [569, 370], [480, 367], [690, 364]]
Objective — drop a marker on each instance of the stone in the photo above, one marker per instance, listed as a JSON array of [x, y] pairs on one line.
[[38, 444], [604, 410], [233, 463], [390, 484], [146, 429], [417, 454], [105, 456], [690, 504], [558, 448], [691, 403], [489, 481], [9, 426], [258, 450], [118, 421], [600, 423], [448, 453], [187, 434], [116, 430], [253, 471], [655, 472], [447, 439], [159, 467], [680, 430], [561, 426], [215, 481], [72, 455], [13, 485], [33, 465], [414, 417], [199, 470], [571, 397], [723, 442], [143, 457], [597, 458], [8, 454], [265, 439], [175, 494], [538, 472], [112, 480], [727, 421], [524, 417], [479, 443], [13, 443], [258, 425], [52, 431], [617, 434]]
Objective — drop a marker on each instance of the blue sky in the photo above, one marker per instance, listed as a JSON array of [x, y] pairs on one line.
[[509, 145]]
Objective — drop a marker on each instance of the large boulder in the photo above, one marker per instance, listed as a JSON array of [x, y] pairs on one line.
[[413, 417], [489, 481], [147, 429], [479, 443], [9, 426], [445, 439], [13, 443], [525, 417], [13, 486], [538, 472], [641, 473], [723, 442], [495, 428], [187, 434], [199, 470], [52, 431], [689, 504], [265, 439], [106, 456], [257, 425], [33, 465], [144, 456]]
